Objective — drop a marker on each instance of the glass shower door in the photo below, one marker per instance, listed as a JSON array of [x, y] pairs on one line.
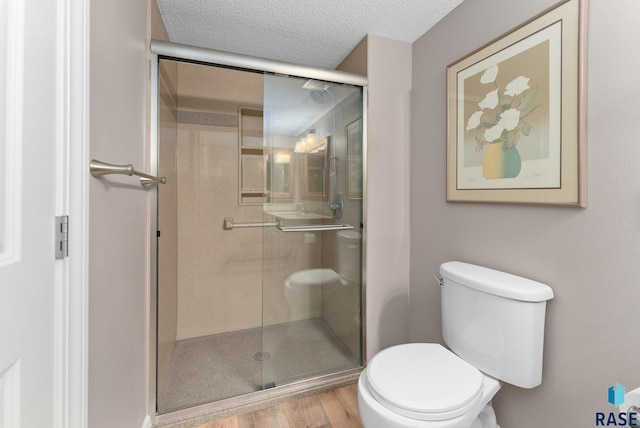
[[312, 258], [209, 277], [258, 232]]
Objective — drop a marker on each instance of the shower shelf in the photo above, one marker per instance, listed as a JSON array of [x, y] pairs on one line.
[[251, 157], [315, 227]]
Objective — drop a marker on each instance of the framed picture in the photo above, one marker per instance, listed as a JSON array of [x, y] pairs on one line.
[[516, 114], [354, 160]]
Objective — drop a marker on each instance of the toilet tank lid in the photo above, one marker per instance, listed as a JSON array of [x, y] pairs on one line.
[[496, 282]]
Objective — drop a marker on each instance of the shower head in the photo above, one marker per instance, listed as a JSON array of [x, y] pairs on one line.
[[317, 88], [318, 96]]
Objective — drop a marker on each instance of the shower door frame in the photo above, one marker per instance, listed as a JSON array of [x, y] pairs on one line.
[[184, 53]]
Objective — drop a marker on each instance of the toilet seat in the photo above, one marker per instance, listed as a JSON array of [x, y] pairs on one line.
[[312, 279], [424, 381]]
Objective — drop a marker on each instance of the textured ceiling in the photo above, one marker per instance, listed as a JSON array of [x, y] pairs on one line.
[[317, 33]]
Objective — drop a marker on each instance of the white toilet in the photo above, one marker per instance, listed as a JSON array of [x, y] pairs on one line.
[[303, 289], [493, 322]]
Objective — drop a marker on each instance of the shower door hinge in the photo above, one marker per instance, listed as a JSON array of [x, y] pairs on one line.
[[62, 236]]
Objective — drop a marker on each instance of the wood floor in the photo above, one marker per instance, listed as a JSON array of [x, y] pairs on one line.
[[337, 408]]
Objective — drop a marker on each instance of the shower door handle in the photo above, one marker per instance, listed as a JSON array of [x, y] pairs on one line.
[[315, 227]]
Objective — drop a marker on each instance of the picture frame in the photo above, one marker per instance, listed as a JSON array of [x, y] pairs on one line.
[[354, 159], [516, 109]]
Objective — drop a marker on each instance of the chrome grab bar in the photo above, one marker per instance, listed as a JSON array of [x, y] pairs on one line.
[[229, 224], [315, 227], [98, 168]]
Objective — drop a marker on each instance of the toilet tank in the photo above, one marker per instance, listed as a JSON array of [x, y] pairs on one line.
[[348, 255], [495, 321]]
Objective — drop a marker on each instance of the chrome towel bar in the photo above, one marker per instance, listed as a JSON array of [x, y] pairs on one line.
[[229, 224], [315, 227], [98, 168]]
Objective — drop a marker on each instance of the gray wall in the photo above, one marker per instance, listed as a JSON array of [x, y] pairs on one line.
[[388, 155], [118, 234], [588, 256], [387, 64]]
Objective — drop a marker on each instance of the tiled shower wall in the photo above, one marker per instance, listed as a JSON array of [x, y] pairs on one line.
[[220, 272]]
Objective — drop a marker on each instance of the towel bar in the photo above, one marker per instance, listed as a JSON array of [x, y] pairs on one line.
[[229, 224], [98, 168], [315, 227]]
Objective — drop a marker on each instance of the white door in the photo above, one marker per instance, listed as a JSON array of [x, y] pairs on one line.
[[30, 193]]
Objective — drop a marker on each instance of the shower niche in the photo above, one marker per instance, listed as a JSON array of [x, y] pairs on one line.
[[265, 172], [273, 298]]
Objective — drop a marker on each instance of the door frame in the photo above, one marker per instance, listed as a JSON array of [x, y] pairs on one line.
[[72, 187]]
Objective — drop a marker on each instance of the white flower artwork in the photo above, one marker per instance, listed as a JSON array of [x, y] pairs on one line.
[[509, 119], [490, 74], [474, 120], [515, 128], [490, 100], [493, 133], [517, 86]]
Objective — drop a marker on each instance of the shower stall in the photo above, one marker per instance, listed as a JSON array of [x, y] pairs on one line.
[[257, 234]]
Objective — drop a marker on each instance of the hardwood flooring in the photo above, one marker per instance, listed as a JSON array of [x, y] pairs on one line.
[[337, 408]]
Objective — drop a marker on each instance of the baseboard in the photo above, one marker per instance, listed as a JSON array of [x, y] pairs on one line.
[[147, 422]]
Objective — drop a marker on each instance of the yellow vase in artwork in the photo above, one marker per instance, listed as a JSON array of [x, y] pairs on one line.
[[501, 162]]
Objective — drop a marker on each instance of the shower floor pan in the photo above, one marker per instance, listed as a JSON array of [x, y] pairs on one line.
[[212, 368]]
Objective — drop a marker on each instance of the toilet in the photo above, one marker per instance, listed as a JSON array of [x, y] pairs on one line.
[[493, 325], [304, 289]]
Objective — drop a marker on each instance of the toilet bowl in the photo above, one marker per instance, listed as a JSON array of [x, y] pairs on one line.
[[303, 293], [493, 325], [305, 290], [425, 385]]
